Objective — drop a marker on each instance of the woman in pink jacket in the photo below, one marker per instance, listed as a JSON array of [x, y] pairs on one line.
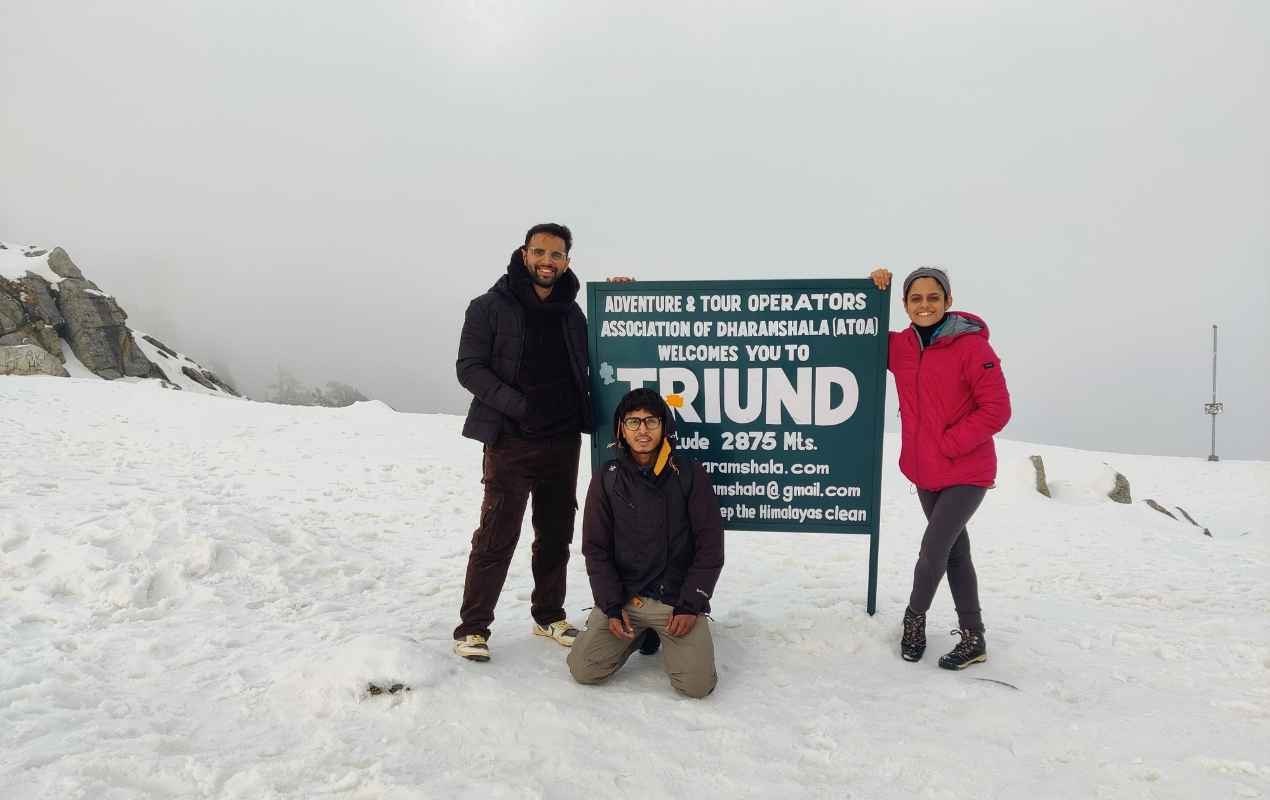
[[953, 399]]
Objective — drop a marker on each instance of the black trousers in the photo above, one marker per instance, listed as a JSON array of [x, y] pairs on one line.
[[514, 471], [946, 548]]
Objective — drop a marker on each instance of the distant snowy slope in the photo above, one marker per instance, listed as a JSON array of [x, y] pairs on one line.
[[17, 260], [195, 594]]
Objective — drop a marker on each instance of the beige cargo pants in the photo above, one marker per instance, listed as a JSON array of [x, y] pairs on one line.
[[688, 660]]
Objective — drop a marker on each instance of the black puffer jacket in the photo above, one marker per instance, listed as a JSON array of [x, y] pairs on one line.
[[659, 536], [492, 347]]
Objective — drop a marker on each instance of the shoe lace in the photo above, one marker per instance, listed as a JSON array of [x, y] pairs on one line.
[[969, 641]]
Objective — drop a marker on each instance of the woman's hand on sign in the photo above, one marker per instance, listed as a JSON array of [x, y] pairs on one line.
[[681, 624], [620, 279], [621, 628], [881, 277]]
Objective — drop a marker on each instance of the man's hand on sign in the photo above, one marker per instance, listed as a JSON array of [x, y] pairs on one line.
[[681, 624], [881, 277], [621, 628], [620, 279]]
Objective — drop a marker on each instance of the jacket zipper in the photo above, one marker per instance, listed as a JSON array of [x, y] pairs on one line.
[[917, 401], [665, 563]]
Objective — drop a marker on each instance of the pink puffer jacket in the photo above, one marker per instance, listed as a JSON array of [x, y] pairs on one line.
[[952, 400]]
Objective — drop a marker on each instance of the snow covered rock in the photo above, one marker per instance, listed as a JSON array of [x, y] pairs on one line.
[[96, 331], [47, 302], [28, 315], [1120, 492], [1038, 464], [62, 265], [39, 300], [12, 314]]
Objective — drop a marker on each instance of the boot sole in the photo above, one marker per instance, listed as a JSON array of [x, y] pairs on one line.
[[913, 659], [473, 655], [979, 660]]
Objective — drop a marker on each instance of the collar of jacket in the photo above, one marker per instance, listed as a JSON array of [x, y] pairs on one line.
[[518, 283], [663, 465], [955, 324]]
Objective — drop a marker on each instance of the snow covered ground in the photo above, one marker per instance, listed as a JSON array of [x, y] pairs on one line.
[[195, 592]]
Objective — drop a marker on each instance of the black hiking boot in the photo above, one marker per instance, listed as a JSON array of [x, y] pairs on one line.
[[913, 643], [649, 642], [972, 649]]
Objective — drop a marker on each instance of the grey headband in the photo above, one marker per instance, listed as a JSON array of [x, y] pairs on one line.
[[938, 274]]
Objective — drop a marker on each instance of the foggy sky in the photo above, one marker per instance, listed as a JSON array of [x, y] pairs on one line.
[[324, 186]]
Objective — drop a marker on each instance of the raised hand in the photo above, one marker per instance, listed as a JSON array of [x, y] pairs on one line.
[[881, 277]]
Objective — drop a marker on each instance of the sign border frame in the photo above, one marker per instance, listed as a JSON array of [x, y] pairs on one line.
[[598, 289]]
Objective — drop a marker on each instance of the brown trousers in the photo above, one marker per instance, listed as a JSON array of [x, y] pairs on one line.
[[689, 660], [514, 471]]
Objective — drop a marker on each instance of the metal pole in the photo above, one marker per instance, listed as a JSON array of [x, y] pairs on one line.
[[1212, 455]]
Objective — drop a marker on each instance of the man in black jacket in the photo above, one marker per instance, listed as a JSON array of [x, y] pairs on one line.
[[523, 355], [652, 537]]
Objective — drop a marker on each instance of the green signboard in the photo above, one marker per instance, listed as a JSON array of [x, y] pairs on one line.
[[783, 385]]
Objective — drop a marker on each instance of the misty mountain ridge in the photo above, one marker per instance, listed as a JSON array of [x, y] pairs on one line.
[[55, 321]]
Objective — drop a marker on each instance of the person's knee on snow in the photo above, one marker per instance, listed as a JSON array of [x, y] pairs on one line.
[[589, 673], [695, 684], [589, 664]]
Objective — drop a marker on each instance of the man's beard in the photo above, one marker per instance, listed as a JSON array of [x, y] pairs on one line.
[[545, 283]]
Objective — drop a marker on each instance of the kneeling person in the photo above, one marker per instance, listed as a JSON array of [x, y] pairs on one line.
[[652, 537]]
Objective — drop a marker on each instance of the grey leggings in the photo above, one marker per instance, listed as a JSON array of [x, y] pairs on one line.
[[946, 548]]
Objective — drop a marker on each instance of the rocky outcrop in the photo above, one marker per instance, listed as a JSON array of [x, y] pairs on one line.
[[12, 314], [1120, 492], [46, 301], [28, 315], [29, 359], [197, 377], [39, 300], [163, 348], [96, 332], [1041, 485], [1159, 508], [1191, 520], [62, 265]]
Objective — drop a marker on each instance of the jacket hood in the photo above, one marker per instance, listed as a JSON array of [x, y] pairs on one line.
[[957, 324], [517, 282], [647, 398]]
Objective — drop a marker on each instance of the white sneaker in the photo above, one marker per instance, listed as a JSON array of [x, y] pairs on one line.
[[560, 630], [472, 647]]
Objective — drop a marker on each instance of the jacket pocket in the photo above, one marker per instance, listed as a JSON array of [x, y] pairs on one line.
[[493, 532]]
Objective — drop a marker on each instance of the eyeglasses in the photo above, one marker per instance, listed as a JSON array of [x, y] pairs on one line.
[[554, 255], [633, 423]]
